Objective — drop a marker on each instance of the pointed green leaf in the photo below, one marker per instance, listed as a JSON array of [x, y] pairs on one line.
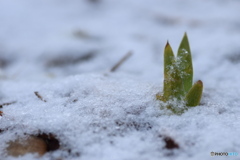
[[173, 86], [194, 95], [184, 64], [169, 61]]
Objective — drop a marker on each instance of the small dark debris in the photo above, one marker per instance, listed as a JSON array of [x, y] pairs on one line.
[[75, 100], [1, 130], [170, 143], [119, 123], [51, 141], [74, 154]]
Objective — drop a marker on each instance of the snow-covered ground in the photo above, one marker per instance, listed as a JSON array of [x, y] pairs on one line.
[[64, 50]]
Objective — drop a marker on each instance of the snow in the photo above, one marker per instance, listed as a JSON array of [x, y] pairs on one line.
[[64, 51]]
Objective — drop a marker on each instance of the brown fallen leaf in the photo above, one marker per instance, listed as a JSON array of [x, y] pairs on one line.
[[29, 145]]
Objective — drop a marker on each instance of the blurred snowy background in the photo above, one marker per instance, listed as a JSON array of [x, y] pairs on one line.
[[61, 38], [64, 49]]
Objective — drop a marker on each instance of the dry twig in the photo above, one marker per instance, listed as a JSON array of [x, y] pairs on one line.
[[116, 66], [39, 96], [6, 104]]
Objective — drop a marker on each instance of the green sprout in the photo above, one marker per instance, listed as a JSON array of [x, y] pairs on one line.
[[178, 77]]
